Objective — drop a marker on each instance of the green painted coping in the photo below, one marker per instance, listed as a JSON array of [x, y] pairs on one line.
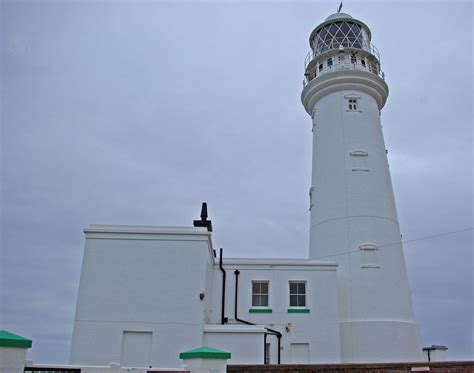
[[298, 310], [205, 352], [8, 339], [260, 310]]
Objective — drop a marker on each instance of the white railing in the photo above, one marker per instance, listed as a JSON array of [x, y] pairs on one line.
[[338, 66], [321, 47]]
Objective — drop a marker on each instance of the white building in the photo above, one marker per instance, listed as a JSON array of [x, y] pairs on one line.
[[148, 293]]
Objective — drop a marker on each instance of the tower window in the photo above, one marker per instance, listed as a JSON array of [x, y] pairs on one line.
[[370, 256], [297, 294], [259, 293], [353, 104], [329, 62], [353, 59], [362, 61], [320, 66]]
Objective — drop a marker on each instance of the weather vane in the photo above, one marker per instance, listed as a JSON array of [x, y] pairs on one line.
[[340, 7]]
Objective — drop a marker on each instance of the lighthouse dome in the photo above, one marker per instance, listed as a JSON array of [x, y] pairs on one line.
[[338, 16]]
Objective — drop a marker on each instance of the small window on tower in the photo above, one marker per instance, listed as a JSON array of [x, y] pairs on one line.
[[329, 62], [362, 61], [320, 67], [353, 104], [353, 59]]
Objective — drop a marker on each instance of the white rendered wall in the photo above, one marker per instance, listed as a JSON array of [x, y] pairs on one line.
[[319, 328], [141, 279], [12, 359], [245, 342], [354, 217]]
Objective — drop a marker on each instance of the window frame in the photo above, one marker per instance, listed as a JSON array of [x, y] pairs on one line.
[[260, 294], [298, 294], [352, 106]]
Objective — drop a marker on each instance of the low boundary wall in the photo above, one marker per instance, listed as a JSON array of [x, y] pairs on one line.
[[438, 367]]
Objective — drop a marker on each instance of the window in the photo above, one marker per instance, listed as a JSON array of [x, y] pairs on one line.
[[370, 257], [353, 59], [353, 104], [359, 160], [259, 293], [362, 61], [329, 62], [297, 294], [320, 67]]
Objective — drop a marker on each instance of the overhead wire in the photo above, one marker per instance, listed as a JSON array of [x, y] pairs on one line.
[[401, 242]]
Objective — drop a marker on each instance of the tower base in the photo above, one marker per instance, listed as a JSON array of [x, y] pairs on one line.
[[373, 341]]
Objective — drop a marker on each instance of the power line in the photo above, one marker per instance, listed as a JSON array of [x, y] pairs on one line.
[[403, 242]]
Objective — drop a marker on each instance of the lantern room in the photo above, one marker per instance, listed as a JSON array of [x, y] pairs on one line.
[[341, 42]]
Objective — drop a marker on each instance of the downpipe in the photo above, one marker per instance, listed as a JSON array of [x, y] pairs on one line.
[[269, 331]]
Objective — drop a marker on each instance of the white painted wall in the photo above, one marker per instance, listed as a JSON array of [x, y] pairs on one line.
[[206, 365], [12, 359], [143, 279], [319, 328], [354, 217], [146, 281], [245, 342]]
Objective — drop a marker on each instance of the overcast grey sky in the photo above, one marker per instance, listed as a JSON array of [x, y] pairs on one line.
[[136, 112]]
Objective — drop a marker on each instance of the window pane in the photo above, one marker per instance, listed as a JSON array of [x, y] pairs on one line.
[[255, 287], [264, 300], [293, 301], [293, 288], [255, 300], [264, 288], [345, 27], [302, 300], [301, 288]]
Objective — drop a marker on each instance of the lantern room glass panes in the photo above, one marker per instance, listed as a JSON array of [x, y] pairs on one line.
[[332, 36]]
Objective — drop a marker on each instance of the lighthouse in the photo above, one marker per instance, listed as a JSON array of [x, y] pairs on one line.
[[353, 217]]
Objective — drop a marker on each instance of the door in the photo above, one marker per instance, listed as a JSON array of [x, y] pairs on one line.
[[136, 349], [299, 353]]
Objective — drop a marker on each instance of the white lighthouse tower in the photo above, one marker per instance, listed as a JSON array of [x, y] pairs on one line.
[[353, 214]]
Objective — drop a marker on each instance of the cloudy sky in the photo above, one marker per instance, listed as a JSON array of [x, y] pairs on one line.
[[136, 112]]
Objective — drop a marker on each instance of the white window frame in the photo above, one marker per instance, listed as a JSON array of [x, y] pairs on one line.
[[298, 294], [370, 255], [353, 103], [260, 294]]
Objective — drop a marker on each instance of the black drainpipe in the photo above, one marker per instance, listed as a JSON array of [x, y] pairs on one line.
[[265, 348], [223, 318], [270, 331]]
